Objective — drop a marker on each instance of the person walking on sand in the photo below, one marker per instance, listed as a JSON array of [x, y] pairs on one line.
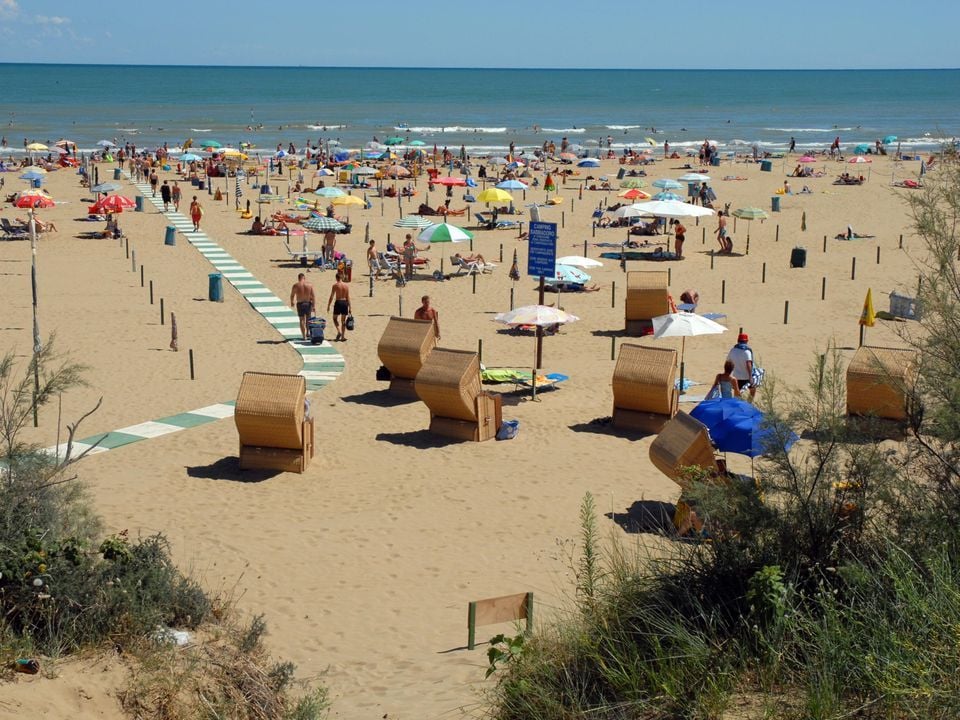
[[741, 355], [196, 212], [165, 195], [372, 258], [329, 246], [304, 300], [726, 245], [340, 299], [680, 234], [153, 182], [427, 312], [175, 196]]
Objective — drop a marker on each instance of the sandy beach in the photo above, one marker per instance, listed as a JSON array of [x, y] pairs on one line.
[[364, 564]]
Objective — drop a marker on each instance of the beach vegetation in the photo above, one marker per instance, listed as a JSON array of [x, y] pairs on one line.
[[66, 588], [829, 588]]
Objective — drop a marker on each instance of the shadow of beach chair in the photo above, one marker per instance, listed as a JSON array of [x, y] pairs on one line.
[[684, 443], [449, 385], [275, 433], [644, 392], [647, 297], [402, 349], [880, 382]]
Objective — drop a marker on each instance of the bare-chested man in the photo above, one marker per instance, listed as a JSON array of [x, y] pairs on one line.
[[427, 312], [304, 300], [340, 298], [329, 246]]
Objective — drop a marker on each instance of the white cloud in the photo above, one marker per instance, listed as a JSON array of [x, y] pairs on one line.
[[9, 8], [49, 19]]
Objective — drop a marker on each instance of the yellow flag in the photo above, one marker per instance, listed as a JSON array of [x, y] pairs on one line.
[[867, 315]]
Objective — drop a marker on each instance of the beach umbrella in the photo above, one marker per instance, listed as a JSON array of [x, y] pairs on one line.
[[413, 222], [325, 171], [740, 427], [579, 261], [329, 192], [511, 185], [634, 194], [323, 224], [567, 274], [450, 181], [750, 213], [589, 162], [417, 143], [861, 149], [210, 144], [694, 177], [628, 211], [632, 183], [667, 184], [33, 199], [37, 147], [859, 160], [445, 233], [374, 145], [684, 325], [111, 204], [233, 154], [665, 195], [348, 200], [59, 150], [393, 141], [190, 157], [65, 143], [807, 159], [494, 194], [105, 143], [889, 139], [34, 174], [496, 161], [362, 170], [105, 187], [673, 209], [548, 184], [397, 171], [514, 273], [539, 316]]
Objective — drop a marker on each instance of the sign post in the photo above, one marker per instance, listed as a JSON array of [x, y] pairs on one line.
[[541, 262]]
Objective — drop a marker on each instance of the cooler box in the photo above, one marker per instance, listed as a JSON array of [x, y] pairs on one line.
[[766, 166], [171, 237], [316, 326], [775, 203], [215, 289], [798, 257]]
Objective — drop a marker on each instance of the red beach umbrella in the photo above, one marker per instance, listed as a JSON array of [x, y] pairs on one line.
[[111, 204], [450, 181], [28, 199]]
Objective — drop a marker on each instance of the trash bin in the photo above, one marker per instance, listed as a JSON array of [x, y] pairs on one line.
[[215, 293], [715, 161], [194, 181], [798, 257], [775, 203], [200, 185], [171, 237], [139, 203], [766, 166], [116, 173], [36, 182]]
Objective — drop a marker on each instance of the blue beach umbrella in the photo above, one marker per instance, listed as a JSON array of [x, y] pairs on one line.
[[667, 184], [329, 192], [739, 427], [589, 162], [861, 149], [667, 196], [32, 175], [889, 139], [190, 157], [568, 274], [511, 185]]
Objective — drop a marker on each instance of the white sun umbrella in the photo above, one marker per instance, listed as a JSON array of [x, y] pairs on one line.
[[541, 316], [445, 233], [579, 261], [629, 211], [413, 222], [684, 325], [673, 209], [694, 177]]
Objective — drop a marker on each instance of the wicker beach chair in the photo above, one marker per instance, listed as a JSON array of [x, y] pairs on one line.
[[449, 385], [684, 442], [880, 382], [270, 417], [648, 296], [403, 347], [644, 392]]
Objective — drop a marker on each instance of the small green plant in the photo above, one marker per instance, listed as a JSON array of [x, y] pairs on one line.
[[503, 650], [767, 594], [116, 548]]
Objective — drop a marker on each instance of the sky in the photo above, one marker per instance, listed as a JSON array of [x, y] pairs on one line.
[[654, 34]]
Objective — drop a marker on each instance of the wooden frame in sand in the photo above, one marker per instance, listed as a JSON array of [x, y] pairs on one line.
[[880, 382], [403, 347], [270, 416]]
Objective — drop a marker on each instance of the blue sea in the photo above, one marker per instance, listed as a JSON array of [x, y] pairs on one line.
[[485, 110]]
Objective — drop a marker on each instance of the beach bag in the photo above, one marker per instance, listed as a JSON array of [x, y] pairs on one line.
[[383, 373], [756, 379], [350, 323], [508, 430]]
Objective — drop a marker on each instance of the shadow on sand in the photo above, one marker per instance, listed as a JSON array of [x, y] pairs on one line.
[[228, 468], [647, 516]]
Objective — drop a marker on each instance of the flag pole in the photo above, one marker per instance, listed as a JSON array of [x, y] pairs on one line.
[[36, 325]]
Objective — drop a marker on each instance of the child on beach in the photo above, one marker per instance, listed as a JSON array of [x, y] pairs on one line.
[[196, 212]]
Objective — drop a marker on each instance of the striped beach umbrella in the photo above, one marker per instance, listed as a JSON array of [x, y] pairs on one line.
[[413, 222], [667, 184], [323, 224], [667, 196], [632, 183], [444, 233]]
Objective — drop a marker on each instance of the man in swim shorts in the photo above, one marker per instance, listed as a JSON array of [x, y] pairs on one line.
[[303, 298], [340, 298]]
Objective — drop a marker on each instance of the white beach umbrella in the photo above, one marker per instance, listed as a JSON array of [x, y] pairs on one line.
[[684, 325], [579, 261], [674, 209]]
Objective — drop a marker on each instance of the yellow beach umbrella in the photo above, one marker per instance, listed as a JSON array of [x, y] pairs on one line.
[[348, 200], [494, 195], [37, 146], [233, 153]]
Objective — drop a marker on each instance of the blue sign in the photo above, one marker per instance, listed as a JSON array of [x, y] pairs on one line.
[[542, 249]]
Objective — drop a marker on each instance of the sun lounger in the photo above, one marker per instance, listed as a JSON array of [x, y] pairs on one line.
[[521, 378], [403, 347], [880, 382], [645, 396], [305, 256], [449, 385], [275, 432], [471, 267]]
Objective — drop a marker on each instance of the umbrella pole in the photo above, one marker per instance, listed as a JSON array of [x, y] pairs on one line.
[[539, 358], [683, 347]]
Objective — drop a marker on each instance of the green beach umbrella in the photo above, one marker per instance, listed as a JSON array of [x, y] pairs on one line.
[[413, 222], [329, 192], [750, 214], [444, 233], [210, 143], [632, 183], [417, 143], [393, 141]]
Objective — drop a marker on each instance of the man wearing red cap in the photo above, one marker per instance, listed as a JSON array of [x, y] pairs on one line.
[[742, 358]]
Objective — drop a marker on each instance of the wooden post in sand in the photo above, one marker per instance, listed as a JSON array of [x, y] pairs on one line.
[[763, 274], [133, 261], [723, 292], [878, 254], [901, 242], [190, 353], [613, 347], [703, 241], [823, 288], [563, 218], [824, 243], [853, 268], [786, 311], [371, 285], [141, 272], [584, 248], [593, 229], [400, 306], [151, 292], [613, 294], [162, 319], [711, 259]]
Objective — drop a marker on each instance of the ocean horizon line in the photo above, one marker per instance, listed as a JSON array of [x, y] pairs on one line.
[[495, 69]]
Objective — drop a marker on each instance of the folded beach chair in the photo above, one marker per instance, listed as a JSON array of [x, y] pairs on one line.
[[484, 219], [391, 266], [403, 347], [647, 297], [645, 396], [449, 385], [275, 431], [880, 382], [684, 443]]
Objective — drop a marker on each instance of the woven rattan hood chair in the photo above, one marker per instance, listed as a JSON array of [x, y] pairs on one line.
[[880, 382], [403, 347], [644, 392], [275, 433], [648, 296], [449, 385]]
